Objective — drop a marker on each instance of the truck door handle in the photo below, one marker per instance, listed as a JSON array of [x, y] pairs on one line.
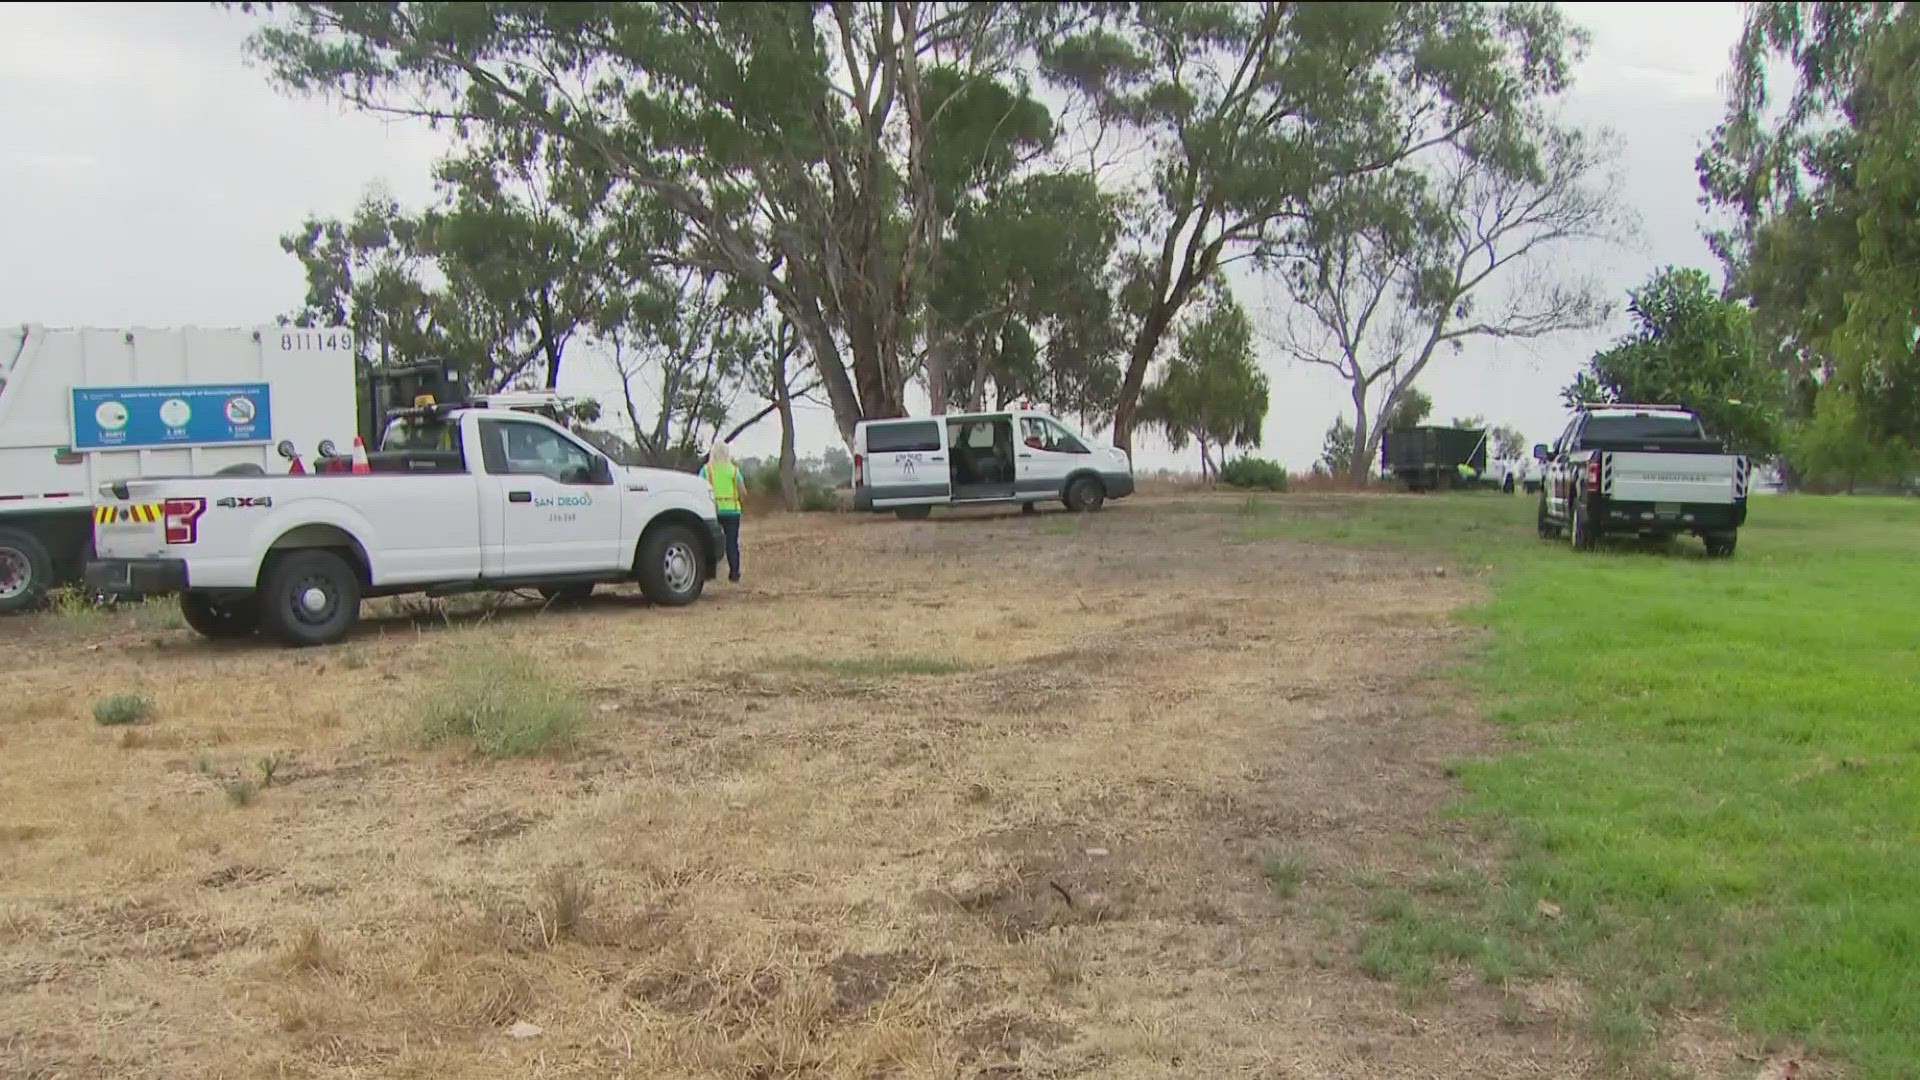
[[520, 496], [1026, 455], [936, 457]]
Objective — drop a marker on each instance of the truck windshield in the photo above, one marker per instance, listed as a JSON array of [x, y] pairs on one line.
[[419, 433], [1646, 427]]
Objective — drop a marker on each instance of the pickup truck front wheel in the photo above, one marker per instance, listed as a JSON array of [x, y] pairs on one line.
[[221, 620], [1720, 545], [671, 571], [309, 597]]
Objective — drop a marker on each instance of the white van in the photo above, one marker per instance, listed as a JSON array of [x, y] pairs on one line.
[[912, 464]]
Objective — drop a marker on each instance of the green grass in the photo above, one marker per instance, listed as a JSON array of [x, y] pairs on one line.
[[1717, 780], [1283, 874], [121, 709], [502, 705]]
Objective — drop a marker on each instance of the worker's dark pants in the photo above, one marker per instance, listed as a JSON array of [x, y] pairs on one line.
[[730, 524]]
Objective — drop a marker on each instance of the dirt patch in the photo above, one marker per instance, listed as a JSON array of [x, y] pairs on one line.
[[239, 874], [863, 980], [1013, 811], [497, 825]]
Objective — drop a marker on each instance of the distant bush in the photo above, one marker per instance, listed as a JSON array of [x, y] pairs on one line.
[[121, 709], [502, 705], [1255, 474], [816, 482]]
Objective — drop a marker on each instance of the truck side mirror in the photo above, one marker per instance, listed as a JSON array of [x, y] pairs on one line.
[[1540, 451], [601, 472]]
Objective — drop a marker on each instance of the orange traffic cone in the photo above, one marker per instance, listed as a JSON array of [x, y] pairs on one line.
[[360, 462]]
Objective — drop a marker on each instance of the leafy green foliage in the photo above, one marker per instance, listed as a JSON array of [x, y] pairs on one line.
[[1023, 290], [1254, 474], [1250, 110], [1336, 450], [816, 479], [1836, 449], [121, 709], [1410, 410], [807, 153], [1693, 348], [1213, 390], [1822, 189]]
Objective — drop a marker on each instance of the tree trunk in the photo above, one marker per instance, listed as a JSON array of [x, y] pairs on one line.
[[1144, 348], [939, 356], [1363, 434], [1207, 472], [789, 461]]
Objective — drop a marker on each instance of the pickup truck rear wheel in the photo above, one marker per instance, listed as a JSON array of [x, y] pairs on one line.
[[221, 620], [309, 597], [1579, 531], [25, 570], [1720, 545], [671, 571]]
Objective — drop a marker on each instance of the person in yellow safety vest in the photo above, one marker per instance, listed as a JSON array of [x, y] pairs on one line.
[[724, 476]]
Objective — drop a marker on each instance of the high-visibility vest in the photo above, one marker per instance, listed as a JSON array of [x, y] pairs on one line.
[[726, 486]]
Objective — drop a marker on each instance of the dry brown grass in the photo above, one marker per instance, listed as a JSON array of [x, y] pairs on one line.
[[1049, 854]]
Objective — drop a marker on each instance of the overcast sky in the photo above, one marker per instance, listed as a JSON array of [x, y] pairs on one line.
[[146, 173]]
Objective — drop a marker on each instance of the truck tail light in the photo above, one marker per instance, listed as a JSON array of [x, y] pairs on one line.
[[1593, 474], [859, 471], [182, 518]]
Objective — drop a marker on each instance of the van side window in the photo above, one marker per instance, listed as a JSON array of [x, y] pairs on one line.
[[1041, 434], [903, 438]]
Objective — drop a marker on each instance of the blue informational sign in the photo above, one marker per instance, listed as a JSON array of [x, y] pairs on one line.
[[120, 417]]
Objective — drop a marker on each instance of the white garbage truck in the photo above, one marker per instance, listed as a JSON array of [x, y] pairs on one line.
[[81, 408]]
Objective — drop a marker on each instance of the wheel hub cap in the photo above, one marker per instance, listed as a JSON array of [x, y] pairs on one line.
[[14, 573], [682, 570], [313, 600]]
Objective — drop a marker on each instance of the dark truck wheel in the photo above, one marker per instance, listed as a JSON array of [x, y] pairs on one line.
[[1579, 529], [913, 513], [221, 619], [26, 571], [1085, 495], [1548, 530], [309, 597], [1720, 545], [671, 570]]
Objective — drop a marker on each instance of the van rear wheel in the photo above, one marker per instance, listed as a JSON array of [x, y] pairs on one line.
[[913, 513]]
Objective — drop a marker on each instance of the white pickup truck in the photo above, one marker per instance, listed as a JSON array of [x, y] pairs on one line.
[[496, 500], [1648, 470]]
